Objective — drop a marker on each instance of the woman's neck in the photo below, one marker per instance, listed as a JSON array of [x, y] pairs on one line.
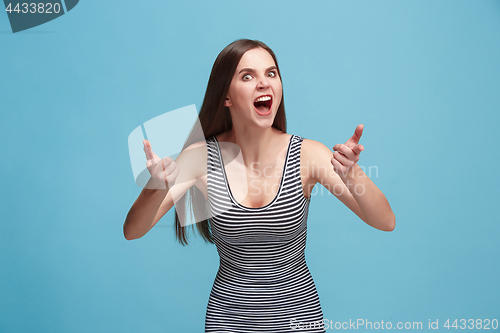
[[256, 145]]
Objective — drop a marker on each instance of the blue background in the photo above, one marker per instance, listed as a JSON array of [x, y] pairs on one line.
[[422, 76]]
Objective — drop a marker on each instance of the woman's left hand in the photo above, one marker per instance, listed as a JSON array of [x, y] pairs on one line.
[[347, 154]]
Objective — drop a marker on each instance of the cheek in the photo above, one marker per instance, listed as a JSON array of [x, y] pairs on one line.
[[277, 86], [241, 94], [278, 92]]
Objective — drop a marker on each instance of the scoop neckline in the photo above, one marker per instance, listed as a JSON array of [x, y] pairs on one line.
[[285, 164]]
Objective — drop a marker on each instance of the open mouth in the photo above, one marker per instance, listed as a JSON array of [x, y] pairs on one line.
[[263, 103]]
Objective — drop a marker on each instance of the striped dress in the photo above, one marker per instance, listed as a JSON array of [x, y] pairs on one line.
[[263, 283]]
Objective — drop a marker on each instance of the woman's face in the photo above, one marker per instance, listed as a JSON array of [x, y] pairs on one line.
[[255, 91]]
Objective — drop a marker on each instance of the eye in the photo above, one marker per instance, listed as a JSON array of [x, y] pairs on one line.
[[247, 77], [272, 74]]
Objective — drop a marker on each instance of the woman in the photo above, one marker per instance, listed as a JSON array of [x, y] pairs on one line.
[[258, 207]]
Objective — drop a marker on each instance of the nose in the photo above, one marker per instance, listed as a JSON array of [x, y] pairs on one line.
[[263, 83]]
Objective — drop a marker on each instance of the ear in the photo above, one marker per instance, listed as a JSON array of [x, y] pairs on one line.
[[227, 102]]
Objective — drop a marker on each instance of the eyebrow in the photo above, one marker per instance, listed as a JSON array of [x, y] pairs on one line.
[[251, 70]]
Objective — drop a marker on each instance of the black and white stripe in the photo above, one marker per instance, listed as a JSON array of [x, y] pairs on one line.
[[263, 283]]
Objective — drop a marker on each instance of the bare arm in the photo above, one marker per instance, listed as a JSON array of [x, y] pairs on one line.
[[140, 218]]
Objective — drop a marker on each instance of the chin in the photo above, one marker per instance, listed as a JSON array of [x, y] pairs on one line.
[[265, 123]]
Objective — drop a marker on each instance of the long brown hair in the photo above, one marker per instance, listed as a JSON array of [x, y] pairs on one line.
[[215, 119]]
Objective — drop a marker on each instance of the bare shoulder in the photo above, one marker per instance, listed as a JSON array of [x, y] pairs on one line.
[[197, 145], [315, 158], [192, 161], [311, 149]]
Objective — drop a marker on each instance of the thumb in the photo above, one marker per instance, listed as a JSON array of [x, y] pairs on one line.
[[358, 149]]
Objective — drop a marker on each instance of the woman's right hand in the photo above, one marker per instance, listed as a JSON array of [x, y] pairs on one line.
[[163, 171]]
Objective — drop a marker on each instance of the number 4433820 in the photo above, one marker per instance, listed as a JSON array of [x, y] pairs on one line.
[[472, 324], [41, 8]]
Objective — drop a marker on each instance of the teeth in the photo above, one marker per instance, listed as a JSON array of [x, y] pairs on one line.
[[263, 98]]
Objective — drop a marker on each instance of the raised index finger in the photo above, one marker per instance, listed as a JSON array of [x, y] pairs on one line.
[[357, 134], [147, 149]]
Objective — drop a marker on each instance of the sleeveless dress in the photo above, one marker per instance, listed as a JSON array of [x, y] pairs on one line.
[[263, 283]]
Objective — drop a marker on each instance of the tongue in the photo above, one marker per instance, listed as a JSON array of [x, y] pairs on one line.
[[262, 108]]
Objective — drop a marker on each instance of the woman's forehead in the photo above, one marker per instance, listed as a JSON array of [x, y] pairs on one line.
[[257, 58]]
